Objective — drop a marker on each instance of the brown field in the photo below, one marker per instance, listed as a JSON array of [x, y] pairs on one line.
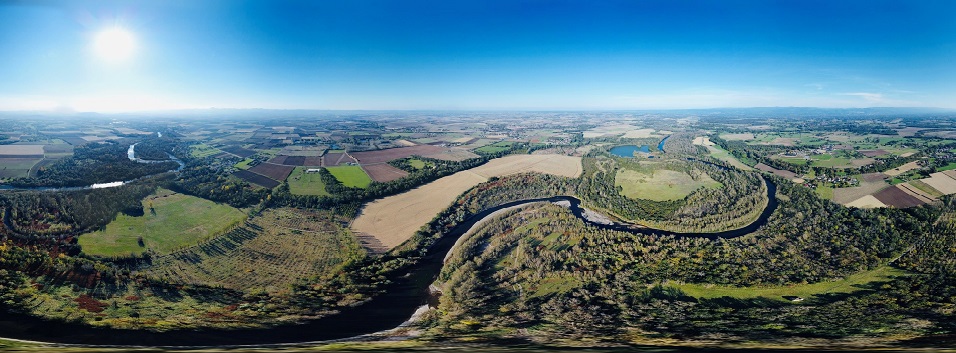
[[779, 172], [274, 171], [381, 156], [21, 151], [902, 169], [312, 161], [872, 183], [239, 151], [942, 182], [383, 172], [270, 252], [894, 196], [337, 158], [873, 153], [454, 154], [867, 201], [256, 179], [916, 192], [908, 131], [394, 219], [278, 159], [738, 137]]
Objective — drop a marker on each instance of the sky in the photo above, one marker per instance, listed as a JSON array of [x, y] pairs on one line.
[[476, 55]]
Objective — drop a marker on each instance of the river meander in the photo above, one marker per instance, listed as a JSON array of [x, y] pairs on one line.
[[402, 298]]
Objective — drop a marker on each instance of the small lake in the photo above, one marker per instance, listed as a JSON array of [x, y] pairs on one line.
[[627, 151]]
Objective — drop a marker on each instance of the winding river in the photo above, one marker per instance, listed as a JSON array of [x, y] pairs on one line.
[[402, 297], [130, 153]]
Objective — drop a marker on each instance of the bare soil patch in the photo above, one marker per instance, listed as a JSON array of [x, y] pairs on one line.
[[394, 219], [845, 196], [337, 158], [917, 193], [902, 169], [239, 151], [780, 172], [274, 171], [256, 179], [894, 196], [873, 153], [381, 156], [942, 182], [383, 172], [738, 137], [867, 201]]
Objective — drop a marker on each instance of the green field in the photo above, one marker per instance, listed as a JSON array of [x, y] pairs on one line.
[[175, 221], [416, 163], [722, 154], [203, 150], [16, 167], [244, 164], [662, 185], [350, 175], [849, 284], [949, 166], [825, 192], [302, 183], [794, 160], [494, 148]]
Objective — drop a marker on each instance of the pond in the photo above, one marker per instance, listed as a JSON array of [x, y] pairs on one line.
[[627, 151]]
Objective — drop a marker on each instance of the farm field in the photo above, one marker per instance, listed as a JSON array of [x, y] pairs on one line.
[[495, 147], [721, 154], [302, 183], [174, 221], [394, 219], [351, 175], [203, 150], [662, 185], [382, 156], [867, 201], [256, 179], [895, 196], [275, 171], [238, 151], [336, 158], [270, 252], [779, 172], [17, 167], [849, 284], [871, 184], [941, 182], [383, 172]]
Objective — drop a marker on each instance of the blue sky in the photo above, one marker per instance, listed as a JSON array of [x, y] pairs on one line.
[[512, 54]]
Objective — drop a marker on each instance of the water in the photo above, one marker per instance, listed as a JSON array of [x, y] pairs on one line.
[[406, 294], [627, 151]]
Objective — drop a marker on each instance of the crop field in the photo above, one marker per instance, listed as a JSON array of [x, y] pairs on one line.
[[382, 156], [336, 158], [662, 185], [269, 252], [640, 133], [912, 190], [925, 188], [16, 167], [942, 182], [871, 184], [256, 179], [493, 148], [894, 196], [239, 151], [302, 183], [738, 137], [203, 150], [779, 172], [351, 175], [21, 151], [170, 221], [867, 201], [394, 219], [383, 172], [721, 154], [275, 171], [850, 284]]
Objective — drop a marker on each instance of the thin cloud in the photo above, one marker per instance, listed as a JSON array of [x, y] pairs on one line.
[[868, 96]]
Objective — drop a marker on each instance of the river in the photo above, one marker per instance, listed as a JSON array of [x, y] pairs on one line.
[[130, 153], [401, 299]]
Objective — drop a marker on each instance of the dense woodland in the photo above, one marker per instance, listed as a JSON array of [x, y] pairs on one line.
[[560, 278], [92, 163]]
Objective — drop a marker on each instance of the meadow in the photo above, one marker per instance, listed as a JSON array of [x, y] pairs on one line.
[[302, 183], [350, 175], [170, 221], [660, 185]]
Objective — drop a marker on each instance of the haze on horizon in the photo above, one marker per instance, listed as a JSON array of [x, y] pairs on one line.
[[114, 56]]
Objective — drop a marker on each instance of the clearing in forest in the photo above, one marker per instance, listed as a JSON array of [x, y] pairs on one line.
[[270, 252], [660, 185], [721, 154], [850, 284], [394, 219], [169, 221]]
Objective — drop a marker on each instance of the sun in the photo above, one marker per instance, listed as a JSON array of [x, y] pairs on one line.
[[115, 44]]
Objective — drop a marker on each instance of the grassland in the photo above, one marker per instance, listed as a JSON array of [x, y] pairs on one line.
[[722, 154], [849, 284], [494, 148], [244, 164], [394, 219], [350, 175], [278, 248], [420, 164], [170, 221], [660, 185], [302, 183], [203, 150]]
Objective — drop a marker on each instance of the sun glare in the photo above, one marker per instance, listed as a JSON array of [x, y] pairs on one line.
[[115, 44]]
